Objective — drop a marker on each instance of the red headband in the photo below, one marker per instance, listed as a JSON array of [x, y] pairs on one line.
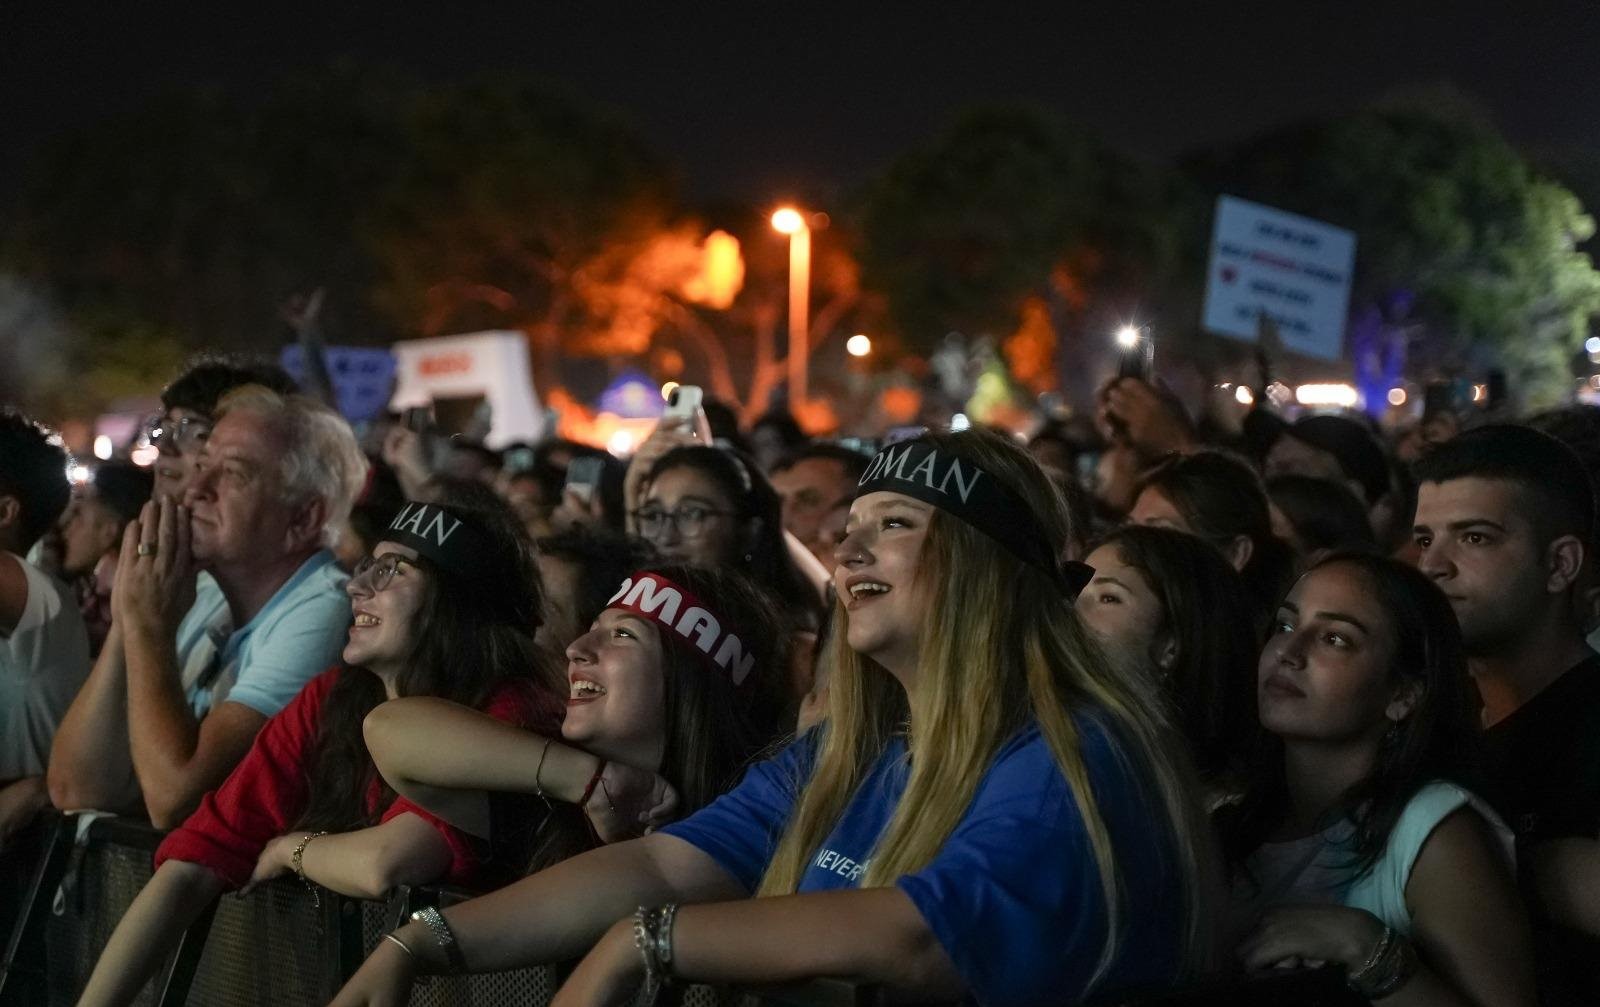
[[687, 619]]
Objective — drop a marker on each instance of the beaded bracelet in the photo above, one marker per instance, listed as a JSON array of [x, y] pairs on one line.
[[299, 871]]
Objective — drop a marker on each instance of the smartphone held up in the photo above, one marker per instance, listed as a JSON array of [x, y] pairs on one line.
[[1136, 353], [686, 411]]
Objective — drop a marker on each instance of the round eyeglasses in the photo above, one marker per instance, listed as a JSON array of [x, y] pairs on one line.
[[186, 433], [378, 571]]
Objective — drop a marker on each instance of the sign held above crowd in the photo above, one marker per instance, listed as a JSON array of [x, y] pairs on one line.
[[1293, 269]]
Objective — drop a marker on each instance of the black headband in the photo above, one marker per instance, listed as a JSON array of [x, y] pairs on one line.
[[959, 487], [447, 537]]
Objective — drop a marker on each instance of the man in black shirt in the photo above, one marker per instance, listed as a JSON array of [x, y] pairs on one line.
[[1504, 518]]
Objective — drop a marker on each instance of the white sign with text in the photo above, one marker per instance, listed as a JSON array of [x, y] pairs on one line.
[[1295, 269]]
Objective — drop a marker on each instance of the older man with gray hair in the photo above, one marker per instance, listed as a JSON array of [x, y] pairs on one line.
[[190, 672]]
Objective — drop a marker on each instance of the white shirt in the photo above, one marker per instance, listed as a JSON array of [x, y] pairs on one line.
[[43, 662]]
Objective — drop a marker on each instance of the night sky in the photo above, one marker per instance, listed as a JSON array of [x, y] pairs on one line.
[[758, 100]]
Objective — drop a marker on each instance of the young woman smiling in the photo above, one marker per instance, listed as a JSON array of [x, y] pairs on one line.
[[650, 732], [710, 507], [984, 807], [445, 606], [1355, 842]]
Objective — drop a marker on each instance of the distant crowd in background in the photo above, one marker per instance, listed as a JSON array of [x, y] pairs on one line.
[[1122, 705]]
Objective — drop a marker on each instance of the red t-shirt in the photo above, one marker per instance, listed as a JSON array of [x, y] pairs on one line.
[[266, 793]]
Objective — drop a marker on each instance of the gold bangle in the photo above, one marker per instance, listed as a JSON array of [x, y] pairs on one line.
[[299, 870]]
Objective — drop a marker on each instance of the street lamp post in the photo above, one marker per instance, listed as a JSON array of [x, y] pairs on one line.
[[790, 221]]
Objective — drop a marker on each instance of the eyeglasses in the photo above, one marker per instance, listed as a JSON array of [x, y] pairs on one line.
[[378, 571], [187, 434], [689, 520]]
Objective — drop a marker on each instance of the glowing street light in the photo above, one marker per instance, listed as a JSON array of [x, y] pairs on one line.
[[1397, 396], [858, 345], [788, 220], [1127, 336]]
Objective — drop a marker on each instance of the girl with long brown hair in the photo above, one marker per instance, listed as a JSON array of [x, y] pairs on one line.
[[989, 811]]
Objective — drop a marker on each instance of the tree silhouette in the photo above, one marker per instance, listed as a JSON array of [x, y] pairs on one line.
[[1459, 239]]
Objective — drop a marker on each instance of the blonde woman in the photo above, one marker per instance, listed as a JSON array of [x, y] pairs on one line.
[[987, 814]]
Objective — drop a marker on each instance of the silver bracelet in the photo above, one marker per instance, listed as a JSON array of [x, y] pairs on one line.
[[416, 963], [402, 944], [665, 916], [435, 922], [644, 940]]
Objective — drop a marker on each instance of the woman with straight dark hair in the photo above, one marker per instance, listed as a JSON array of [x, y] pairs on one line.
[[1219, 497], [1357, 841], [1171, 603], [446, 605]]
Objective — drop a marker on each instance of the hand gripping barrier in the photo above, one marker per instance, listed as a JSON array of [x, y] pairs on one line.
[[275, 947]]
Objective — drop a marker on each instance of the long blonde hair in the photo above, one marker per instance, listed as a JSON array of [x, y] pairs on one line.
[[1017, 654]]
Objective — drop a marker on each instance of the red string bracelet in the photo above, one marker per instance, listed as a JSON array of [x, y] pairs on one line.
[[594, 781]]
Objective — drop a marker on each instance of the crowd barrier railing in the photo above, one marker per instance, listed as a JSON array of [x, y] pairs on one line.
[[277, 946]]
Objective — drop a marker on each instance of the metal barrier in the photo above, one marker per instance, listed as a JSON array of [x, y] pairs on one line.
[[273, 947], [276, 947]]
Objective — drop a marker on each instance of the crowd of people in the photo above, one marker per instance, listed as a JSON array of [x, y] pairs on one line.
[[1104, 710]]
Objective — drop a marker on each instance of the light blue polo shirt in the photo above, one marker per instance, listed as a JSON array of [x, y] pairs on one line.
[[298, 634]]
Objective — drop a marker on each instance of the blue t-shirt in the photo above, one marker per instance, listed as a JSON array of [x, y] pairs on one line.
[[1014, 894]]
